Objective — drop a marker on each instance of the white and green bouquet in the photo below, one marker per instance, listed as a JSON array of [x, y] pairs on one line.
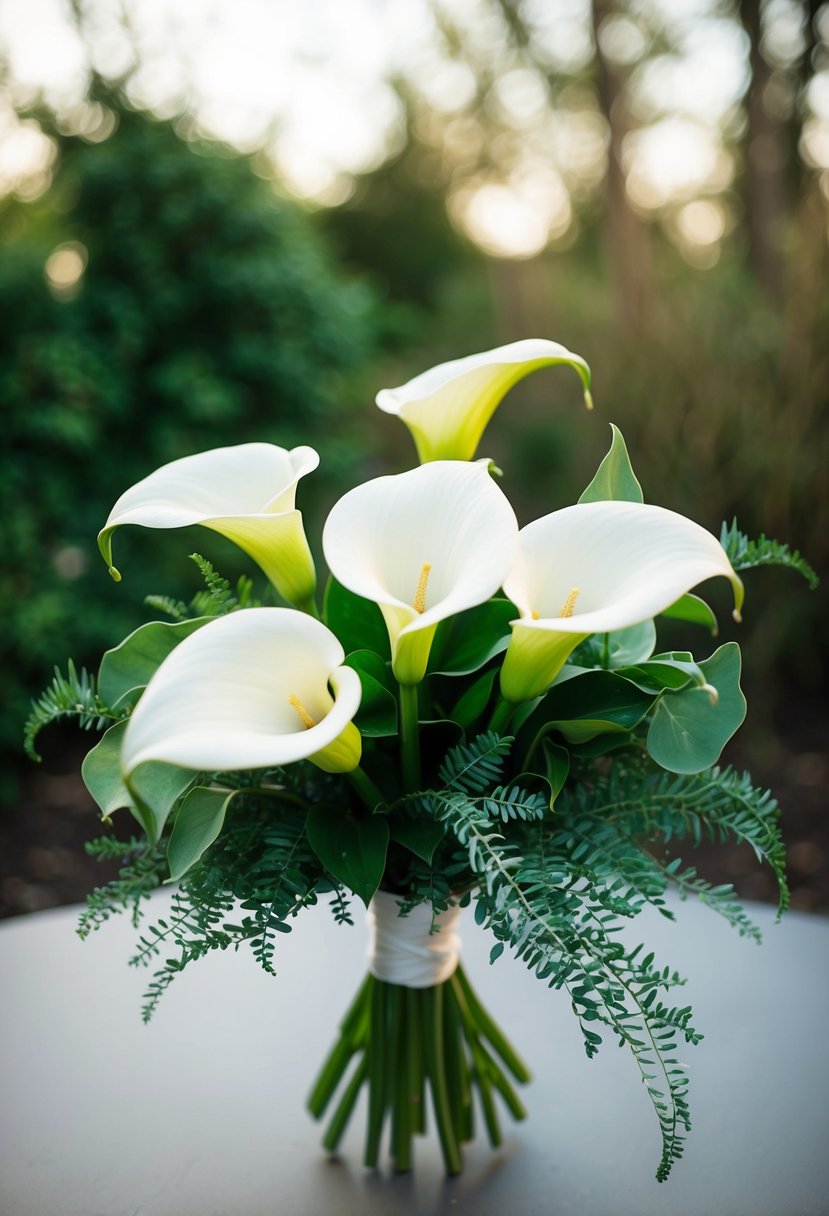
[[476, 714]]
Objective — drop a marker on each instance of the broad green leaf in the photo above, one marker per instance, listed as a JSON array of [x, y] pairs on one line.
[[101, 772], [419, 836], [153, 790], [694, 610], [463, 643], [618, 648], [661, 673], [690, 728], [594, 703], [128, 667], [377, 715], [556, 767], [615, 478], [469, 707], [353, 850], [198, 822], [602, 745], [550, 767], [357, 622]]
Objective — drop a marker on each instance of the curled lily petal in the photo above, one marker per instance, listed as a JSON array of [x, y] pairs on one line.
[[596, 567], [249, 690], [424, 545], [447, 408], [245, 492]]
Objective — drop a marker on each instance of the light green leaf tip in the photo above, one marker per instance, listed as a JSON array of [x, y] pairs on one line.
[[615, 480]]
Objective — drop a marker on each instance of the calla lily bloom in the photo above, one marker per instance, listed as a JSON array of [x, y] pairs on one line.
[[249, 690], [423, 545], [244, 492], [447, 408], [596, 567]]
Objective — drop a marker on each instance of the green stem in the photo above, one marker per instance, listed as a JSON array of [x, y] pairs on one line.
[[342, 1114], [432, 1006], [415, 1062], [409, 737], [501, 715], [375, 1054], [337, 1060], [401, 1136], [490, 1030], [453, 1053], [366, 788]]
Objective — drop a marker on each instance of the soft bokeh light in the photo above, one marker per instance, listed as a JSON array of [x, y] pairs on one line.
[[64, 269], [319, 91]]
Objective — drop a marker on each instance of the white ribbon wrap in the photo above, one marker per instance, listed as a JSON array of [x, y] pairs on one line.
[[401, 948]]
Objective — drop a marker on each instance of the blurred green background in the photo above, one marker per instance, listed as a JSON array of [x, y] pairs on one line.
[[227, 227]]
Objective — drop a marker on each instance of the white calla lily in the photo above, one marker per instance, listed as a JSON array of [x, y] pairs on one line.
[[447, 408], [593, 568], [423, 545], [249, 690], [246, 493]]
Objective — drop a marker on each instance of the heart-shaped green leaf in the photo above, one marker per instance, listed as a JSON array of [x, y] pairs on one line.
[[420, 836], [353, 850], [690, 727]]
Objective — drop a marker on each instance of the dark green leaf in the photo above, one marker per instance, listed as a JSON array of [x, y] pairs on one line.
[[463, 643], [592, 704], [420, 836], [377, 715], [357, 622], [352, 850], [473, 702]]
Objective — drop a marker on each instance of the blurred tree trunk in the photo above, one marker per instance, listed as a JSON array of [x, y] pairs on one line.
[[766, 159], [626, 235]]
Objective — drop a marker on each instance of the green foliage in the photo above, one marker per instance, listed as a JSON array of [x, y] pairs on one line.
[[352, 848], [154, 788], [557, 889], [209, 313], [72, 695], [615, 478], [744, 554], [691, 725]]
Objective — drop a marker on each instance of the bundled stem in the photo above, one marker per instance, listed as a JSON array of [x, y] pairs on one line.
[[408, 1040]]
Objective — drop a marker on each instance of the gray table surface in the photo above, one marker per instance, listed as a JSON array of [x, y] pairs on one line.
[[202, 1113]]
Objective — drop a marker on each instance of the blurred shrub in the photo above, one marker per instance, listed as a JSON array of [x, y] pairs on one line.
[[184, 306]]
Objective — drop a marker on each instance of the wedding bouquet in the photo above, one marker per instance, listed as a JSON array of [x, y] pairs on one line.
[[477, 715]]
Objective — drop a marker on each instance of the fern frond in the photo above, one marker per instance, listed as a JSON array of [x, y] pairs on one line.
[[256, 877], [721, 899], [564, 927], [716, 805], [744, 553], [475, 767], [143, 869], [73, 695], [217, 599], [170, 607]]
